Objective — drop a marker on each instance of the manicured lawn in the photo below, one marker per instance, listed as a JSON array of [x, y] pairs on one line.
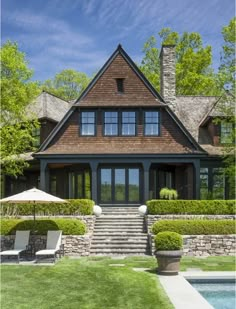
[[91, 283], [83, 283], [211, 263]]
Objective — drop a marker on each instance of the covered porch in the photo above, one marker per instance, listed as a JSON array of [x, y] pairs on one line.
[[119, 180]]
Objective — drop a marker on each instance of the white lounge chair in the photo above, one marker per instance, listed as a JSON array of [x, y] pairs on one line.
[[53, 245], [20, 245]]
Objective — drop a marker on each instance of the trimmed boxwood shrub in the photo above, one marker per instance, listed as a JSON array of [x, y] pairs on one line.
[[74, 207], [196, 207], [168, 241], [195, 227], [68, 226]]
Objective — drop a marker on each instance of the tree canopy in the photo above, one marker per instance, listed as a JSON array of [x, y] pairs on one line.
[[68, 84], [17, 91], [227, 71], [194, 74]]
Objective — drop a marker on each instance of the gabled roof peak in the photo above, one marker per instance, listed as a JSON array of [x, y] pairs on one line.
[[119, 46]]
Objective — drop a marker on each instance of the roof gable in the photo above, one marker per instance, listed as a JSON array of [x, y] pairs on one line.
[[48, 106], [99, 94], [102, 91]]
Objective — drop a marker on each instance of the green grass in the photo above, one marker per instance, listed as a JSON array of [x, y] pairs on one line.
[[83, 283], [90, 283], [211, 263]]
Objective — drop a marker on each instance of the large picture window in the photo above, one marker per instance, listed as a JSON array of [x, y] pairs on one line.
[[87, 124], [110, 123], [151, 123], [128, 123], [212, 183]]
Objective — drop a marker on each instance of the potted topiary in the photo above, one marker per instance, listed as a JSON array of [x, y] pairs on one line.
[[168, 252]]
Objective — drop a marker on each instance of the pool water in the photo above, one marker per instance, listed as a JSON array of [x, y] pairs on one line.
[[219, 295]]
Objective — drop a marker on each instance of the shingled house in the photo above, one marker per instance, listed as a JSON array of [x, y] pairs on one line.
[[121, 141]]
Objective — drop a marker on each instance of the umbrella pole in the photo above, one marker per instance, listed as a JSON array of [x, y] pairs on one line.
[[34, 229]]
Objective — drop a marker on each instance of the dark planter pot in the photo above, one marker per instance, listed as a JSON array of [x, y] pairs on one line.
[[168, 262]]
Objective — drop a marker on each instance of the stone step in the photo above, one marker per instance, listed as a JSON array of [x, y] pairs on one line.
[[118, 228], [117, 220], [116, 251], [123, 234], [115, 217], [118, 231], [119, 246], [117, 224], [118, 236]]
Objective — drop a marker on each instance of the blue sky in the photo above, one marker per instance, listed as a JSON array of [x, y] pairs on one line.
[[82, 34]]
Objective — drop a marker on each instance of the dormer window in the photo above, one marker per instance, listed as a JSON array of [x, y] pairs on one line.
[[120, 85], [226, 133]]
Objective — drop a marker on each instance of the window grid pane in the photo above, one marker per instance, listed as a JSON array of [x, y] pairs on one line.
[[88, 123], [151, 123], [111, 123], [226, 133], [128, 123]]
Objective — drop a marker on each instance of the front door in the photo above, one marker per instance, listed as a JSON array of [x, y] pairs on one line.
[[119, 185]]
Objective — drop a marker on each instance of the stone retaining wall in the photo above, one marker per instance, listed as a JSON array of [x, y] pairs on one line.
[[205, 245], [73, 244], [150, 219]]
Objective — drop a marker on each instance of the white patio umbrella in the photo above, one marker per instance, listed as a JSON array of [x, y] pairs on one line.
[[32, 196]]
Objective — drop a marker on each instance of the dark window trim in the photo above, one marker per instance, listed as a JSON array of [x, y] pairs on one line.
[[95, 122], [119, 122], [158, 123], [103, 122], [135, 124]]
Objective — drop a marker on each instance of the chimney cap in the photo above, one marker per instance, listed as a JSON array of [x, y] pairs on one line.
[[166, 46]]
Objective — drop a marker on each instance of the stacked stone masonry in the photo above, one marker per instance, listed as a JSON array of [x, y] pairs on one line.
[[206, 245]]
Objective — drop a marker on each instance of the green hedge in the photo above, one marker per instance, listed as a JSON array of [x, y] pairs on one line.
[[195, 227], [68, 226], [196, 207], [168, 241], [74, 207]]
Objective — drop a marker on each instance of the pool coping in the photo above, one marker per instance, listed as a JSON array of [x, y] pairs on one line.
[[183, 295]]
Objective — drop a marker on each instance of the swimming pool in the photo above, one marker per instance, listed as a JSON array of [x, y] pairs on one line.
[[221, 294]]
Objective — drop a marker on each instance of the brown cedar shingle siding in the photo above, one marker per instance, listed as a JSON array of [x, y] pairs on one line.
[[104, 92], [68, 140]]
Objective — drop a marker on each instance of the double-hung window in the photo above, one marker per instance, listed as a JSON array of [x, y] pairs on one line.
[[128, 120], [110, 123], [87, 123], [151, 123], [36, 136], [226, 133]]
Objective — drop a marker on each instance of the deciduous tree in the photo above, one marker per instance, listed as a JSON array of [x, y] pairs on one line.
[[68, 84], [194, 74], [17, 91]]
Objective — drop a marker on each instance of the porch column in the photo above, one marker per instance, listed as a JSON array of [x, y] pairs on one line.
[[146, 168], [196, 179], [44, 176], [94, 166]]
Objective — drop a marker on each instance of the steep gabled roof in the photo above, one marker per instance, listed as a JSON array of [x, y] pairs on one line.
[[191, 109], [156, 99], [48, 106], [228, 100], [119, 52]]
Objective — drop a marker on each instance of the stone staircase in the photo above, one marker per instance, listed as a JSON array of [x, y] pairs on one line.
[[119, 231]]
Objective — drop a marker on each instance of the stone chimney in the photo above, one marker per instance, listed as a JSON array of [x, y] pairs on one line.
[[167, 58]]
